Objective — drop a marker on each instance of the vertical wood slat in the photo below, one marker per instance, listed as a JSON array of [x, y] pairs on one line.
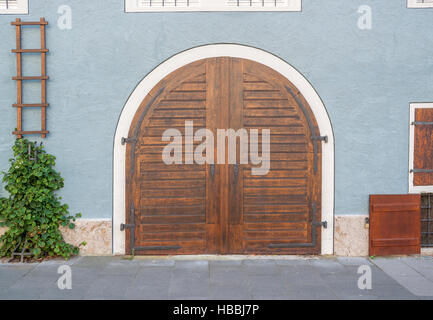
[[20, 78], [19, 82], [43, 81]]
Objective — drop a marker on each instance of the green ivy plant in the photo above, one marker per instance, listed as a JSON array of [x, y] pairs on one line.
[[33, 212]]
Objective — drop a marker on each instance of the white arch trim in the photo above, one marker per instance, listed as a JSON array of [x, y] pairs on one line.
[[236, 51]]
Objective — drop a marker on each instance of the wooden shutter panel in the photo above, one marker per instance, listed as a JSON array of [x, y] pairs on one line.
[[395, 224], [423, 147]]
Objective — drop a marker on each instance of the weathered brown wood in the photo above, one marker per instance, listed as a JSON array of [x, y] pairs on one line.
[[395, 224], [223, 208], [423, 147], [43, 74], [29, 50], [30, 105], [19, 132], [18, 22], [19, 82]]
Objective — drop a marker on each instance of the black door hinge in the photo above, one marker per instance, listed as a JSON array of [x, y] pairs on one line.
[[320, 138], [323, 224], [124, 226], [128, 140]]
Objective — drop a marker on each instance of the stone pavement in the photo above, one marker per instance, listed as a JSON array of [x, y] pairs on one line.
[[220, 278]]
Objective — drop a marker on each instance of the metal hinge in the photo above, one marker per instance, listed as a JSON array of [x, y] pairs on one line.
[[124, 226], [320, 138], [128, 140], [323, 224], [422, 123], [421, 170]]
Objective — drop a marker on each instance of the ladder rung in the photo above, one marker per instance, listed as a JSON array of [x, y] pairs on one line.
[[29, 132], [30, 105], [29, 50], [31, 78], [28, 23]]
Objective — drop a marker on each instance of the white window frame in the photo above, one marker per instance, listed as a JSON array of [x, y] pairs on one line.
[[413, 107], [416, 4], [210, 5], [22, 8]]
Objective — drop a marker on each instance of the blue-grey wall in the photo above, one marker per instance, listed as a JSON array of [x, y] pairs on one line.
[[366, 78]]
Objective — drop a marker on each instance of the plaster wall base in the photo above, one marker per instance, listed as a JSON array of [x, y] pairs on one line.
[[351, 236], [95, 232]]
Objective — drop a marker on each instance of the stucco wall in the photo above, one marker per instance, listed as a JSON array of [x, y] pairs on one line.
[[366, 78]]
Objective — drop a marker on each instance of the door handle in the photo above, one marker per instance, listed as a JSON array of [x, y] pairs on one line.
[[212, 170]]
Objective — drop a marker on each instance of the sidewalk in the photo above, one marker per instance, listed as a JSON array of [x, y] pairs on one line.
[[210, 278]]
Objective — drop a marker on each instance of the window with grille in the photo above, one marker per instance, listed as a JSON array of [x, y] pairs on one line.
[[420, 3], [211, 5], [14, 6], [427, 220]]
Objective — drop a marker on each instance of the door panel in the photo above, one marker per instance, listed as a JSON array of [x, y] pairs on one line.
[[222, 208]]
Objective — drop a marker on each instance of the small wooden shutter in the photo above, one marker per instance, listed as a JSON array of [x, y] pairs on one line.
[[395, 224], [423, 147]]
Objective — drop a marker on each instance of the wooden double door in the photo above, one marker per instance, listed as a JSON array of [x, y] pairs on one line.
[[224, 208]]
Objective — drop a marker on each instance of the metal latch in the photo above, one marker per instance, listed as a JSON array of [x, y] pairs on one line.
[[124, 226], [321, 138], [421, 170], [323, 224], [128, 140]]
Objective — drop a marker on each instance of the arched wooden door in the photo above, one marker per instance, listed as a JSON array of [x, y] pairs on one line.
[[223, 208]]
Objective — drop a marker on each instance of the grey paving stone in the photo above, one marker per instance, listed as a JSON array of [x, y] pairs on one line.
[[261, 267], [95, 262], [310, 292], [227, 274], [395, 290], [189, 284], [226, 292], [155, 263], [199, 265], [327, 265], [147, 292], [107, 287], [293, 262], [395, 267], [153, 276], [225, 263], [354, 261], [405, 275], [21, 294], [116, 278], [360, 297], [77, 292], [422, 265]]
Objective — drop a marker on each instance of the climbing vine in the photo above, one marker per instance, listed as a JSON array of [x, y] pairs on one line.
[[33, 213]]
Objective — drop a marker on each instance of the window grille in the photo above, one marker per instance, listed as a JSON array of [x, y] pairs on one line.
[[211, 5], [420, 3], [257, 3], [14, 6], [427, 220], [168, 3], [8, 4]]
